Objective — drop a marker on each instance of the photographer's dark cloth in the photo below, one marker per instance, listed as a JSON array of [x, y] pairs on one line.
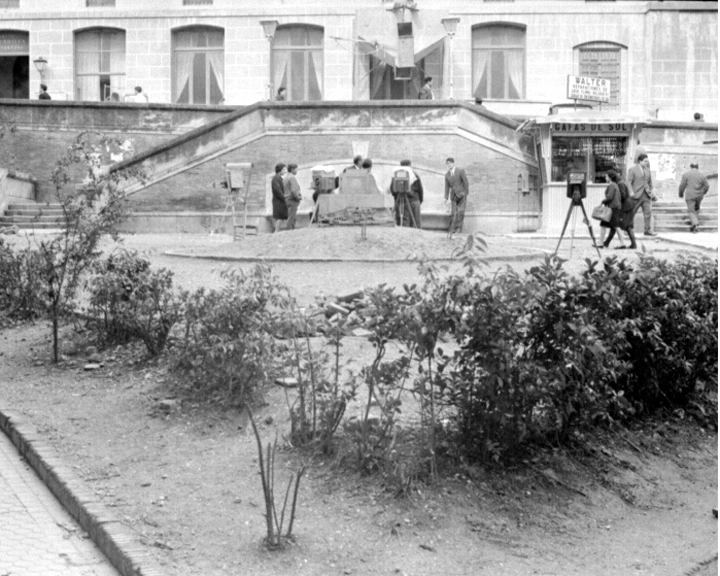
[[280, 211]]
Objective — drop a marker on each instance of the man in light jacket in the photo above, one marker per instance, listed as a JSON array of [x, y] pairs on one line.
[[293, 195]]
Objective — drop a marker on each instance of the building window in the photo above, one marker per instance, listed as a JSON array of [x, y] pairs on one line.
[[9, 3], [100, 64], [198, 65], [297, 61], [14, 64], [498, 60], [602, 60], [197, 2], [100, 3]]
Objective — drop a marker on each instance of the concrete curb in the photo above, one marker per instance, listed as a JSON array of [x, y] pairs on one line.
[[120, 545], [508, 258], [685, 243]]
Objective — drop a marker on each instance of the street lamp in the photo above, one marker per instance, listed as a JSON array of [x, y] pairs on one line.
[[269, 27], [450, 25], [41, 65]]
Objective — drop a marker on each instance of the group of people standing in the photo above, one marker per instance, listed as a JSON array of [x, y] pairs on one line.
[[286, 196], [626, 198], [405, 186]]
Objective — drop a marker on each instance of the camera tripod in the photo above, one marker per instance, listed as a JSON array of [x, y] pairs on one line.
[[403, 202], [576, 201]]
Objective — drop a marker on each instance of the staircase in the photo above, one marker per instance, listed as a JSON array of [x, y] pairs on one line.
[[673, 217], [33, 216]]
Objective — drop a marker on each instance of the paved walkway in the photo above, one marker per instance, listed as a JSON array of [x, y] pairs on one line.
[[37, 535]]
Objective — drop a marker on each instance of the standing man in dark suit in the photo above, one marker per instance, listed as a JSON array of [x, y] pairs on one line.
[[456, 191], [696, 185], [639, 180]]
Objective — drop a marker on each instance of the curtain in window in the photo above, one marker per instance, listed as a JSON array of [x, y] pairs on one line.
[[183, 69], [514, 67], [315, 78], [480, 73], [217, 67], [280, 63]]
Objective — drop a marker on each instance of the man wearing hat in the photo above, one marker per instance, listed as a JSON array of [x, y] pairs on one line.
[[696, 185]]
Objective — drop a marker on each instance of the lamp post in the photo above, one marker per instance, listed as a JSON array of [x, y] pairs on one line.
[[41, 65], [450, 25], [269, 27]]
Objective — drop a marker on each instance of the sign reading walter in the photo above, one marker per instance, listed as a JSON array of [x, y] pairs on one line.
[[585, 88]]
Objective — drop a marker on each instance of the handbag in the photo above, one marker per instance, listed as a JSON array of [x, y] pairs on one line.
[[602, 213]]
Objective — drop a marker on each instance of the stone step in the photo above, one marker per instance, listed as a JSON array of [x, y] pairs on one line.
[[33, 218], [32, 225], [33, 215], [35, 212], [34, 206]]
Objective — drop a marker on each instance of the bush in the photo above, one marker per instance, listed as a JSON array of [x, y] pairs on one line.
[[20, 283], [230, 346], [669, 326], [129, 300], [543, 354]]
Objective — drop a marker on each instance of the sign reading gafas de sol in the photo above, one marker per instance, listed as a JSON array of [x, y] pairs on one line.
[[584, 88]]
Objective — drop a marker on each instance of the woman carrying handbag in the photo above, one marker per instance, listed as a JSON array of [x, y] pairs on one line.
[[613, 201], [627, 212]]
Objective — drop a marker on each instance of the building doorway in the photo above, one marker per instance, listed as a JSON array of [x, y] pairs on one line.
[[14, 65]]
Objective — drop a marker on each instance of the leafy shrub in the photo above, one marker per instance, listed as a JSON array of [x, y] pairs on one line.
[[20, 283], [229, 346], [669, 326], [132, 301], [543, 354]]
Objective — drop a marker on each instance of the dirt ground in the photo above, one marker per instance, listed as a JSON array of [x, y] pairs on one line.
[[186, 478]]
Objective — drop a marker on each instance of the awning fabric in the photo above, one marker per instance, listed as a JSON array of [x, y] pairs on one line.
[[385, 52]]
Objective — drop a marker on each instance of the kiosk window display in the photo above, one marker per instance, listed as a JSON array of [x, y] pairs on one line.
[[593, 155]]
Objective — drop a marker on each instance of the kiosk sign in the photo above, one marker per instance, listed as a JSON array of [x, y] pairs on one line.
[[585, 88]]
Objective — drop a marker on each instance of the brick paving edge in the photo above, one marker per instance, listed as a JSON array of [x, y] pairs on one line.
[[120, 545]]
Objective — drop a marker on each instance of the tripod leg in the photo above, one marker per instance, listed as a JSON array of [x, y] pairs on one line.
[[410, 211], [313, 215], [589, 225], [562, 234]]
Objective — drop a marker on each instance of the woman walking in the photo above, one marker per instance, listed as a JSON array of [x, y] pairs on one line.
[[627, 212], [612, 201]]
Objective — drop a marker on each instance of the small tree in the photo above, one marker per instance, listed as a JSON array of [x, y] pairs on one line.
[[91, 210]]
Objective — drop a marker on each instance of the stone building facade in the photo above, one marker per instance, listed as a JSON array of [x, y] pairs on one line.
[[514, 55]]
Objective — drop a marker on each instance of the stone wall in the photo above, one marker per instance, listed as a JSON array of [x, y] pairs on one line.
[[185, 150]]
